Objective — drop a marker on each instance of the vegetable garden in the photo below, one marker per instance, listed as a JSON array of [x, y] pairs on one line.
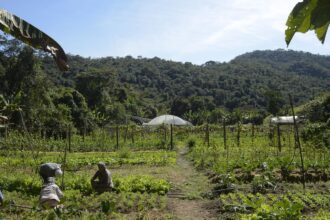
[[254, 173]]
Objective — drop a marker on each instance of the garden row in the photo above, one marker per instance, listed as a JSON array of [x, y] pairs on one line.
[[31, 184], [273, 206], [245, 163], [76, 160], [78, 206]]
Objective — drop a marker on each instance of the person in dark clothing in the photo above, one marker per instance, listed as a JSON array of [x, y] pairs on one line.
[[104, 182]]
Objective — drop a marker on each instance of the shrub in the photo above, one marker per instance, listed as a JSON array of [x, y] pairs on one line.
[[191, 143]]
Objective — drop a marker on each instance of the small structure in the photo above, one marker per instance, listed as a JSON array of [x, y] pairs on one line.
[[3, 119], [284, 120], [168, 120]]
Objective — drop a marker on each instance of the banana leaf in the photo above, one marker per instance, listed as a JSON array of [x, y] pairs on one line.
[[22, 30]]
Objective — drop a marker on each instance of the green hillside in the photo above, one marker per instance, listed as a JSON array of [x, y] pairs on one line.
[[103, 90]]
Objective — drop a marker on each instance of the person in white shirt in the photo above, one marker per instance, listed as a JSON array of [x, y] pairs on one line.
[[50, 193]]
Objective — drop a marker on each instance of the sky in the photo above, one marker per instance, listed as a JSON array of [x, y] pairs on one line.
[[194, 31]]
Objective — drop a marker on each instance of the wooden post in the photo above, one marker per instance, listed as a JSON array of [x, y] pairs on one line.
[[225, 143], [224, 134], [84, 132], [126, 131], [69, 138], [297, 142], [172, 137], [117, 137], [6, 131], [132, 130], [227, 158], [252, 138], [238, 134], [207, 135], [271, 135], [289, 137], [279, 138], [64, 159]]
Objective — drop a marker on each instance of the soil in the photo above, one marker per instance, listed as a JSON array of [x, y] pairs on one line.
[[185, 200]]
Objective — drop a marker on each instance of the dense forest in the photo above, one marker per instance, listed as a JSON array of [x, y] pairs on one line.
[[110, 90]]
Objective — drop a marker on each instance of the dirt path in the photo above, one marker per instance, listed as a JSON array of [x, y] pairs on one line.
[[185, 200]]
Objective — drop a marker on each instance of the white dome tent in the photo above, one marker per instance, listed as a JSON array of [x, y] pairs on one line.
[[168, 120]]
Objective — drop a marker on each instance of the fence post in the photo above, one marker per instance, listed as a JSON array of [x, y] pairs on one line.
[[224, 134], [6, 131], [132, 130], [279, 138], [84, 132], [64, 159], [69, 138], [117, 137], [207, 135], [171, 137], [252, 134], [297, 142], [238, 134], [126, 132]]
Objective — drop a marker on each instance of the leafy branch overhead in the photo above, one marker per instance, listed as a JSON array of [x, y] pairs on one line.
[[32, 36], [309, 15]]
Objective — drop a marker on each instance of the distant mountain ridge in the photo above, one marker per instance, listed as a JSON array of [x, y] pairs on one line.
[[240, 83]]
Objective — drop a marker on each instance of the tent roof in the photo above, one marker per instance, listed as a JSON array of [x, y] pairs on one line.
[[283, 120], [168, 120], [3, 117]]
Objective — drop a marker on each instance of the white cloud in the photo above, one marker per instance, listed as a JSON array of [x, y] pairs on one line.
[[181, 30], [199, 30]]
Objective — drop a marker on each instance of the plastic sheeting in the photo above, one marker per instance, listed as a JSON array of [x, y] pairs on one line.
[[48, 170], [284, 120], [167, 120]]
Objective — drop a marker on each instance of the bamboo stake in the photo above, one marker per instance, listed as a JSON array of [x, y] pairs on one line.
[[64, 161], [207, 135], [69, 138], [84, 132], [279, 138], [172, 137], [238, 137], [297, 142], [224, 134], [126, 131], [117, 137], [252, 138], [132, 130]]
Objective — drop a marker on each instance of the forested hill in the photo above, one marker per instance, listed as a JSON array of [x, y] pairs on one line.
[[97, 91], [245, 82]]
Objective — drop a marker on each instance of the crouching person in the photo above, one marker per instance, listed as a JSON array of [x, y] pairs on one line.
[[50, 194], [104, 182]]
